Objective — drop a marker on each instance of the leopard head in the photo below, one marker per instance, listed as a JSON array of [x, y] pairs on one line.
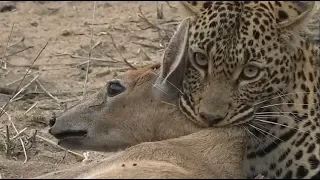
[[228, 56]]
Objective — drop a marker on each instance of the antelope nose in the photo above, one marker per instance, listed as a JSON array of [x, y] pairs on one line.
[[212, 118]]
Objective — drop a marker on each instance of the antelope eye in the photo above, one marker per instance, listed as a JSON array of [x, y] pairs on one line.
[[250, 72], [201, 59], [114, 88]]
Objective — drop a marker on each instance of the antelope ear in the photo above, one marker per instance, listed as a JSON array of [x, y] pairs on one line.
[[291, 14], [174, 61]]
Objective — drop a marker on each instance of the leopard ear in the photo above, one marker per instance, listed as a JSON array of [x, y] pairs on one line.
[[292, 18], [292, 14], [174, 60]]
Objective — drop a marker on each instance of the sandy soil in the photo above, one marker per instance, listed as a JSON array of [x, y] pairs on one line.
[[61, 68]]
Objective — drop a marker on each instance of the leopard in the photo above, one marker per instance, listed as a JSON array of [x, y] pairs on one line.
[[250, 64]]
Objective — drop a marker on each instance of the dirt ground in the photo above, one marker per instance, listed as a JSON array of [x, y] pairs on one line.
[[62, 66], [71, 31]]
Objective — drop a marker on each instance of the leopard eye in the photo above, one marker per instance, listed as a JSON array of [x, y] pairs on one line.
[[201, 59], [250, 72]]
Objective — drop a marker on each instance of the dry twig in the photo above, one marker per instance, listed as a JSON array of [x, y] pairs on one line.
[[171, 22], [15, 129], [97, 44], [56, 145], [147, 45], [8, 152], [29, 47], [146, 56], [63, 158], [23, 88], [94, 24], [14, 94], [24, 150], [92, 59], [21, 40], [18, 134], [151, 25], [3, 111], [16, 80], [159, 11], [31, 108], [47, 92], [33, 137], [61, 93], [3, 63], [91, 47], [124, 59], [145, 19], [172, 7]]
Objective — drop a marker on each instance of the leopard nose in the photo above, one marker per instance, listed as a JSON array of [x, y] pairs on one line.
[[213, 118]]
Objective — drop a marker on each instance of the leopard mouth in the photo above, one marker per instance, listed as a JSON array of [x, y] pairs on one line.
[[71, 134]]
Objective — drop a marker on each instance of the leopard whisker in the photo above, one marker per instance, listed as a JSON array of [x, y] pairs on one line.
[[279, 124], [288, 101], [266, 135], [154, 85], [168, 103], [263, 101], [279, 104], [259, 129], [266, 113], [274, 115], [263, 133], [277, 109], [249, 133], [283, 125], [255, 138]]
